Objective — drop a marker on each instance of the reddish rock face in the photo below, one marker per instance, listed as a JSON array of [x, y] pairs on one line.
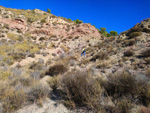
[[17, 23], [83, 30]]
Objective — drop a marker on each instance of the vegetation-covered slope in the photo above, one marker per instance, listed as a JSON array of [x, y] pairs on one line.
[[40, 62]]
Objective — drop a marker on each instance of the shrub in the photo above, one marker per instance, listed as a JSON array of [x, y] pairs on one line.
[[25, 81], [13, 36], [12, 99], [108, 35], [48, 10], [113, 33], [54, 82], [17, 56], [82, 89], [43, 20], [127, 85], [128, 53], [121, 84], [6, 26], [147, 60], [4, 75], [70, 20], [34, 37], [130, 42], [78, 21], [36, 75], [56, 69], [123, 106], [103, 31], [37, 91], [27, 35], [101, 56], [134, 34], [30, 20], [145, 53], [64, 48], [42, 38], [36, 66]]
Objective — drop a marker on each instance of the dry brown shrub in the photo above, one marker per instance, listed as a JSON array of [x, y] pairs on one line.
[[57, 69], [81, 90], [54, 83], [146, 53], [101, 56], [134, 34], [37, 92], [10, 98], [128, 53], [124, 85], [130, 42]]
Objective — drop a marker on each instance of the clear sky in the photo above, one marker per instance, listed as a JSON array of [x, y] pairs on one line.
[[118, 15]]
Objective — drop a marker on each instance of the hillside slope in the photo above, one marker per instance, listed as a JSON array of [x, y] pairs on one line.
[[42, 69]]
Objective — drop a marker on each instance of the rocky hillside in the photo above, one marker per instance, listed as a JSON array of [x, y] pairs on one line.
[[42, 69]]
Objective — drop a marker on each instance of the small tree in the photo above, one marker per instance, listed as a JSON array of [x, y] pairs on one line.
[[70, 20], [113, 33], [108, 35], [103, 31], [48, 10], [78, 21]]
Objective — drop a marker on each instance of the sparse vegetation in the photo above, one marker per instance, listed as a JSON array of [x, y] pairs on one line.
[[134, 34], [38, 63]]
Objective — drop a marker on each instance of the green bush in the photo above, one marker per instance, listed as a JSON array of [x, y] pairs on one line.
[[78, 21], [113, 33], [48, 10], [30, 20], [70, 20], [103, 31], [43, 20]]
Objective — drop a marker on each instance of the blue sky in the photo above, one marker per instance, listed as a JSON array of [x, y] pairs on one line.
[[118, 15]]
